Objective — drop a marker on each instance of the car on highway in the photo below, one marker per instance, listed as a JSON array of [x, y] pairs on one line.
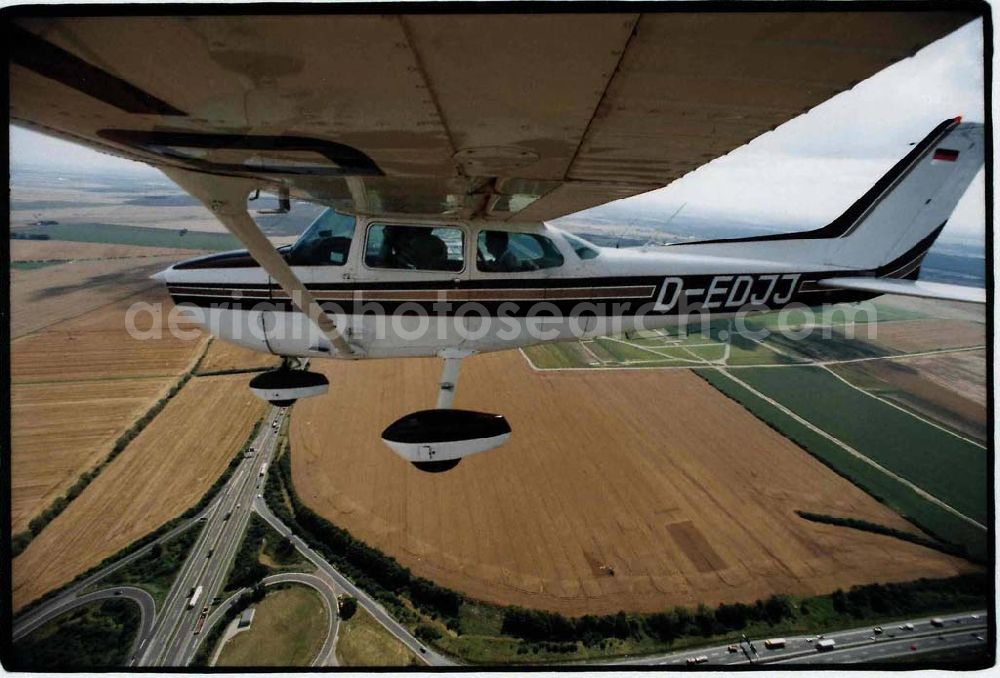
[[978, 636], [733, 648], [877, 630], [118, 592], [913, 647]]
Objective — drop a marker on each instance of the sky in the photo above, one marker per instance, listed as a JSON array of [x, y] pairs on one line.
[[804, 173]]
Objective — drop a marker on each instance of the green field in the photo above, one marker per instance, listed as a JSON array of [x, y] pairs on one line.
[[926, 515], [135, 235], [953, 470]]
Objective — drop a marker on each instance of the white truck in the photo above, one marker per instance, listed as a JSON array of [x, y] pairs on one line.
[[194, 597], [774, 643], [263, 470], [826, 644]]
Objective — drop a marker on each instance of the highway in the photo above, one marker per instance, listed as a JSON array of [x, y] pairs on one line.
[[426, 654], [327, 653], [853, 645], [174, 638], [73, 592], [147, 611]]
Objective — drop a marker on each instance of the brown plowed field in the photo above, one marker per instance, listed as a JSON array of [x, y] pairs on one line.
[[165, 470], [913, 336], [683, 493], [45, 250], [60, 430], [41, 297], [963, 372], [96, 345], [222, 355]]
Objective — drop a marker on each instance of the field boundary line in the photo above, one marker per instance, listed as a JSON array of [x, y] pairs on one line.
[[902, 409], [850, 450]]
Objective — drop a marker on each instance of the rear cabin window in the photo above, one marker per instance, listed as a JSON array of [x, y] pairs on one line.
[[326, 242], [415, 248], [506, 252]]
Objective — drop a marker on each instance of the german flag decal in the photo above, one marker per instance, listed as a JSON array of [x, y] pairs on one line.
[[945, 155]]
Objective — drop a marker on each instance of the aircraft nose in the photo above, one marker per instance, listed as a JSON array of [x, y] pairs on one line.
[[161, 276]]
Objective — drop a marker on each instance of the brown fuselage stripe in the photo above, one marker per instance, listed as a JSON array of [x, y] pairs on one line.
[[639, 291]]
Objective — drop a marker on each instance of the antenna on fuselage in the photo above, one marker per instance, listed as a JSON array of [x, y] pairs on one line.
[[665, 224]]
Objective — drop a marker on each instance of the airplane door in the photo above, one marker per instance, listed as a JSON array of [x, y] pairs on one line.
[[407, 276]]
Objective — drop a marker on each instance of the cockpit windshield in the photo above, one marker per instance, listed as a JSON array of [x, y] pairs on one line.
[[326, 242], [583, 249]]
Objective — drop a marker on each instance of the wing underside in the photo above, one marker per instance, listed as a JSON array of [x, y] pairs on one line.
[[507, 116]]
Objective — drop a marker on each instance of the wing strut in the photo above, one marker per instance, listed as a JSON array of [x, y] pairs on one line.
[[226, 197]]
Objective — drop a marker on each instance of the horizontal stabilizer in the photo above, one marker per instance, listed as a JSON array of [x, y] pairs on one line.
[[909, 288]]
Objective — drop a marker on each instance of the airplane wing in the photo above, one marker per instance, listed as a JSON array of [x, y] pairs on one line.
[[909, 288], [500, 116]]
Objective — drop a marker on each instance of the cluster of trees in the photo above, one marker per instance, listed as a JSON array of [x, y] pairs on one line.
[[540, 625], [348, 606], [955, 593], [427, 633], [866, 526], [545, 646], [207, 647], [92, 637], [20, 541], [247, 570], [379, 574], [157, 568]]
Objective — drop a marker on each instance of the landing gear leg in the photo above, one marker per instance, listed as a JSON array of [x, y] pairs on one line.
[[449, 376]]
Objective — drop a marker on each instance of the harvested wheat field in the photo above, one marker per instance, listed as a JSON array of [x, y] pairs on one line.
[[61, 430], [97, 345], [165, 470], [48, 250], [911, 336], [963, 372], [41, 297], [684, 494], [221, 355]]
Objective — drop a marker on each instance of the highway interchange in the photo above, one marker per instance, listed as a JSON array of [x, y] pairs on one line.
[[168, 637]]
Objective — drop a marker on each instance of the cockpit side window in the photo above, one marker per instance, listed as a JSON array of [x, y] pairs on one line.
[[326, 242], [583, 249], [415, 248], [508, 252]]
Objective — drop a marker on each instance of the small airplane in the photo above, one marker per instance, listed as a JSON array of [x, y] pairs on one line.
[[436, 244]]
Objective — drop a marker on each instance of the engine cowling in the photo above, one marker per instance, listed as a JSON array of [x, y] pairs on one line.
[[436, 440]]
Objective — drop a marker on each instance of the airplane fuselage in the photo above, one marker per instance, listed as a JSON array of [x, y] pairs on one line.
[[565, 289]]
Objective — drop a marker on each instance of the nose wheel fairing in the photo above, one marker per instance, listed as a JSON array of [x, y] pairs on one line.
[[284, 386]]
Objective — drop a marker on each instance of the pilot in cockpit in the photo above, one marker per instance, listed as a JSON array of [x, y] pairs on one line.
[[498, 257]]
